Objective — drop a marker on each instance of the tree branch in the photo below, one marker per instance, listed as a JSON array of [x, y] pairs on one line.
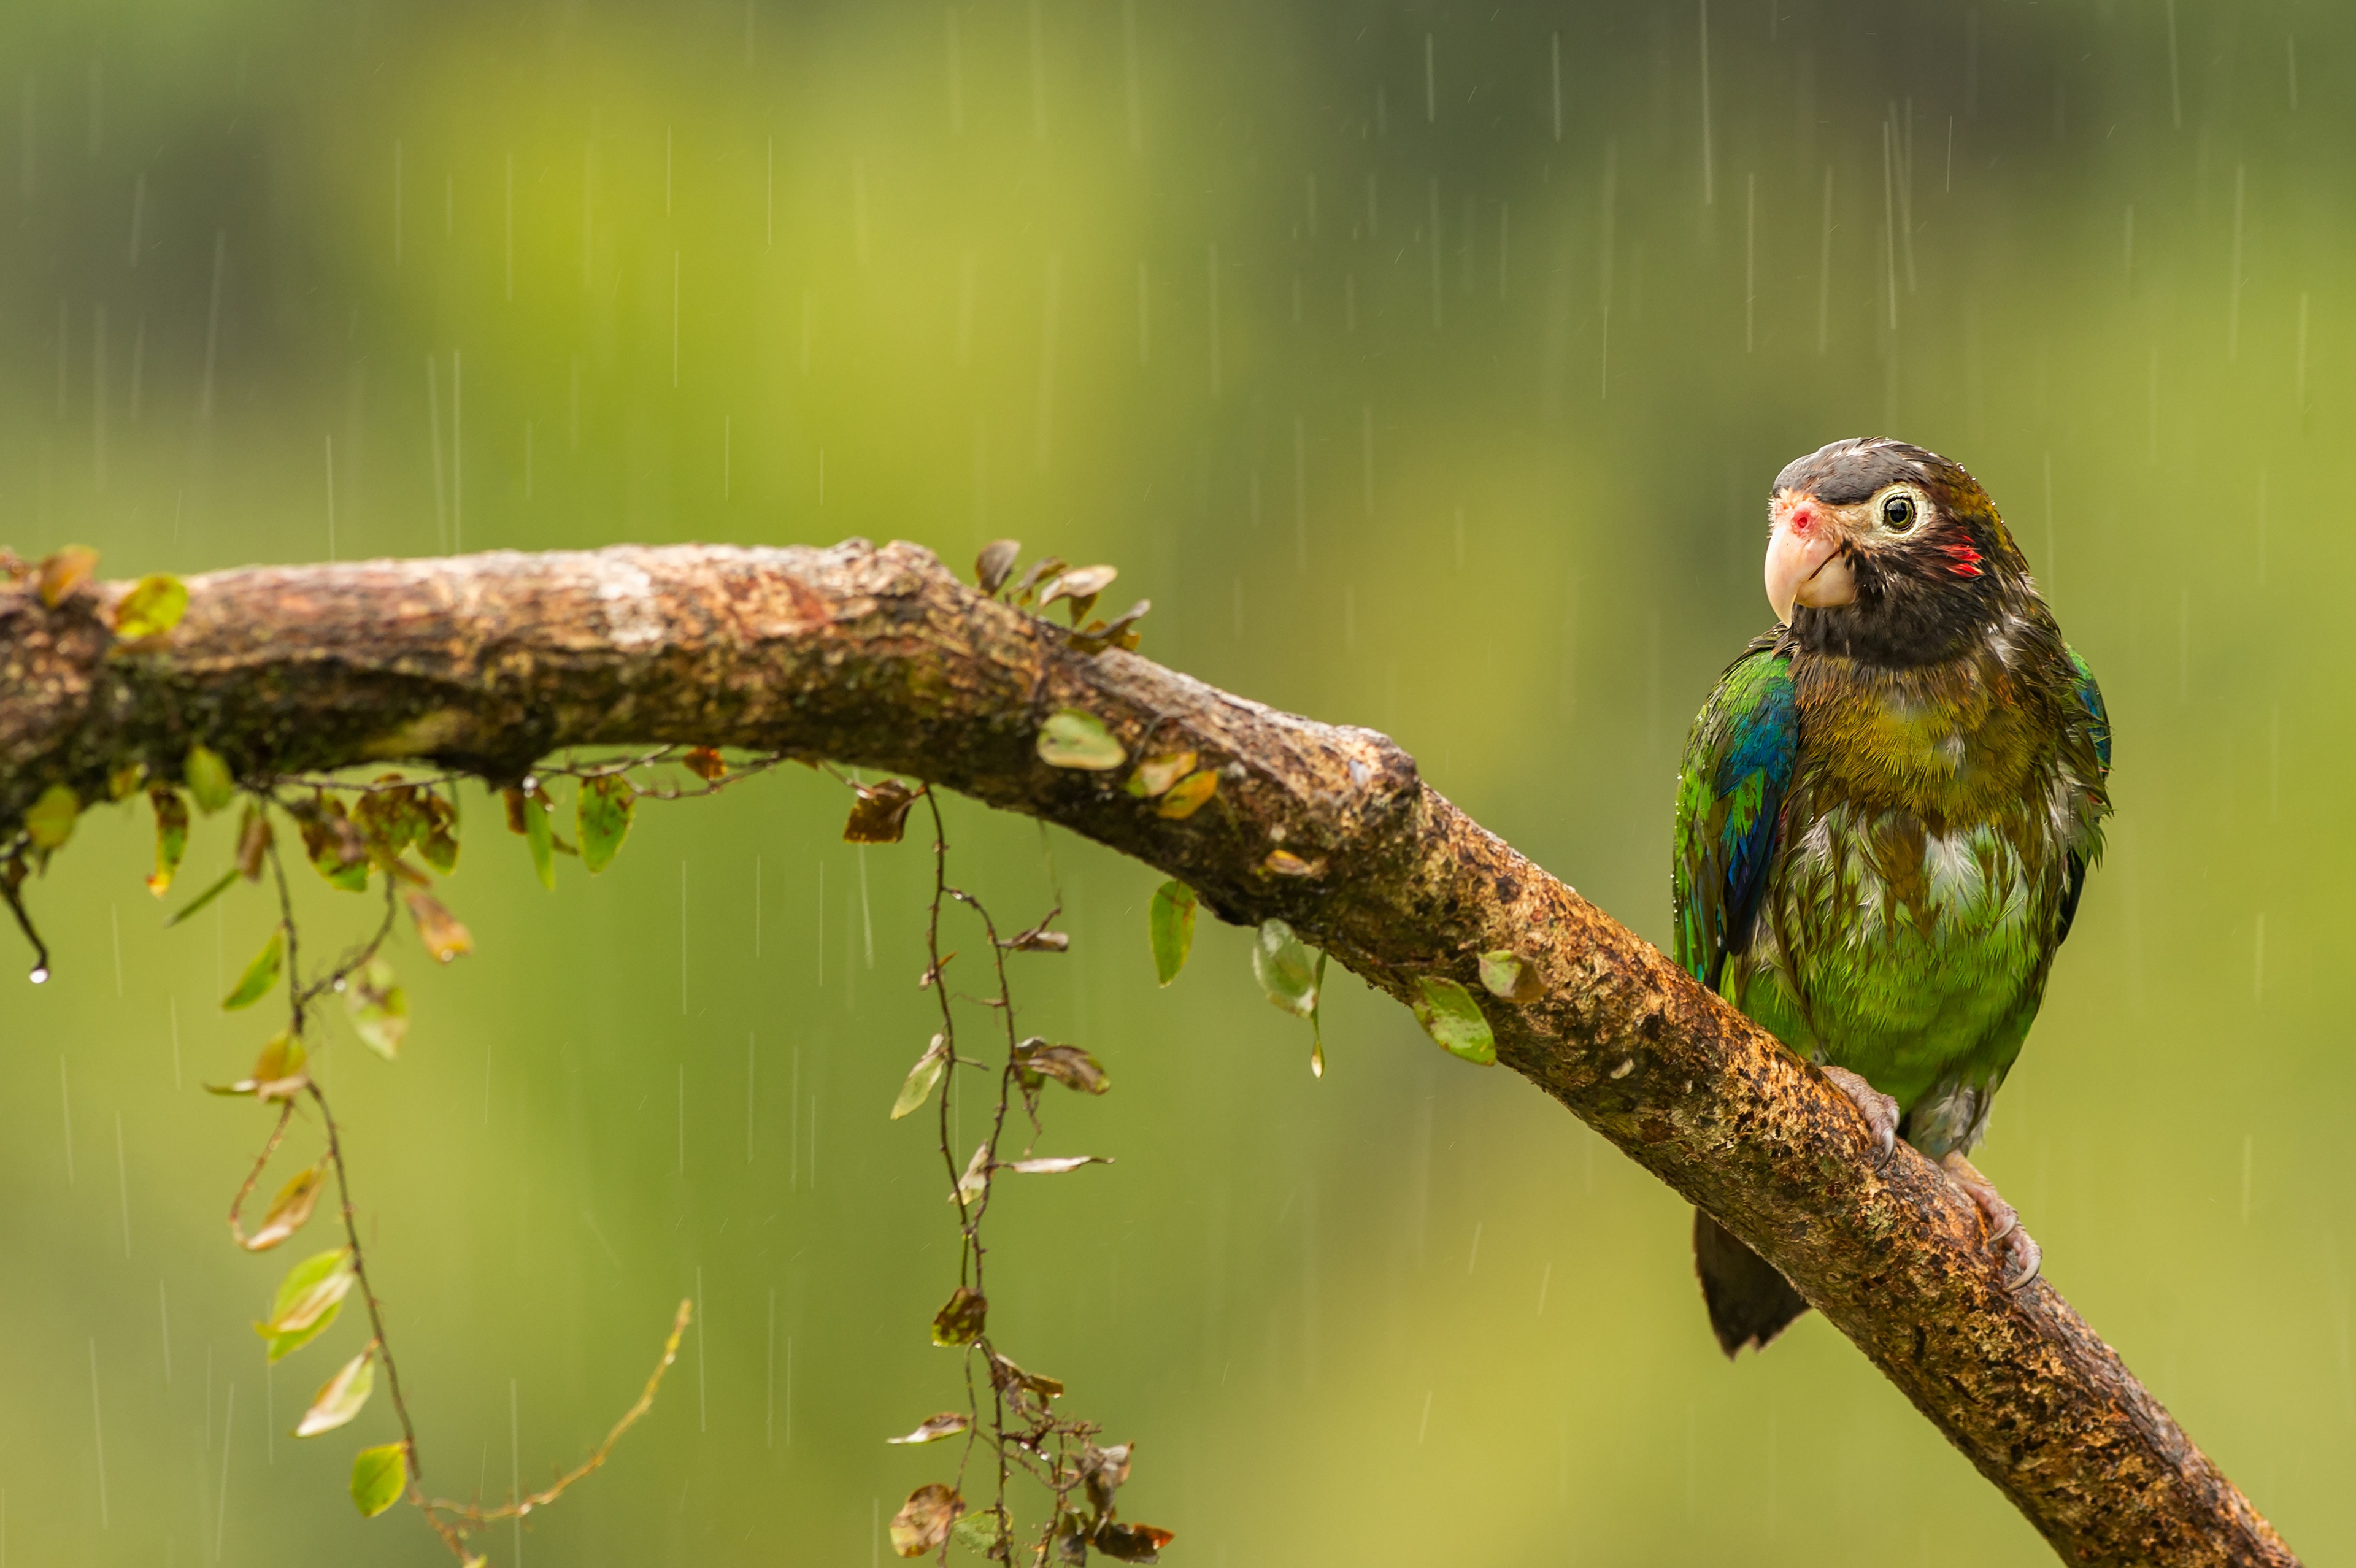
[[879, 658]]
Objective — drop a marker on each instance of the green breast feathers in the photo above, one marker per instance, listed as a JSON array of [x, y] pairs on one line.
[[1877, 865]]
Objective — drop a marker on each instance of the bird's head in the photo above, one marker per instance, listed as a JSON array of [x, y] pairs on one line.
[[1887, 552]]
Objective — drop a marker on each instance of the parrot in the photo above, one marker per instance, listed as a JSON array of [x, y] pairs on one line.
[[1886, 812]]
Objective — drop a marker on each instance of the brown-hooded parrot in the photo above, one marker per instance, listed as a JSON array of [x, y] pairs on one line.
[[1885, 816]]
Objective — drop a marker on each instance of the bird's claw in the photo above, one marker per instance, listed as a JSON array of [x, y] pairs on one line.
[[1880, 1111], [2023, 1257]]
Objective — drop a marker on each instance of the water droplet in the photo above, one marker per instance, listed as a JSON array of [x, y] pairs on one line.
[[41, 974], [1317, 1060]]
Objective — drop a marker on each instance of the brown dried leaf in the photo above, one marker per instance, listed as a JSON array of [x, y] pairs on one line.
[[1039, 939], [391, 819], [440, 930], [882, 814], [337, 849], [253, 840], [1131, 1542], [1067, 1065], [1047, 565], [960, 1321], [439, 846], [996, 559], [63, 573], [704, 762], [948, 1423], [1053, 1166], [1009, 1378], [1121, 633], [290, 1211], [1187, 795], [1104, 1471], [1080, 582], [976, 1179], [923, 1520], [1157, 773]]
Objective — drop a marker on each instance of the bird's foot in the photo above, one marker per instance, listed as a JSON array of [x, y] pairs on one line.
[[2022, 1256], [1880, 1111]]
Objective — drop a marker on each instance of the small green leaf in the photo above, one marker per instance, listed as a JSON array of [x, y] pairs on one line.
[[1508, 976], [544, 847], [340, 1397], [261, 975], [50, 819], [1286, 969], [309, 1288], [379, 1477], [153, 607], [379, 1006], [208, 778], [960, 1322], [1170, 924], [171, 835], [1450, 1015], [602, 812], [918, 1088], [983, 1530], [1071, 738], [309, 1299], [281, 1346], [202, 899]]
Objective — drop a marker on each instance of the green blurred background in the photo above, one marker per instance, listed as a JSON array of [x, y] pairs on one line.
[[1426, 366]]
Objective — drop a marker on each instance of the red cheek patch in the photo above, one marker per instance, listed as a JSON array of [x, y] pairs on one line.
[[1966, 560]]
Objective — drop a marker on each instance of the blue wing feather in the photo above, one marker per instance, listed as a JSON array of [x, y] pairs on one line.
[[1738, 764]]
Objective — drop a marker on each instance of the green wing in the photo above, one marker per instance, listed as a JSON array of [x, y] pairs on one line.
[[1738, 762], [2092, 730]]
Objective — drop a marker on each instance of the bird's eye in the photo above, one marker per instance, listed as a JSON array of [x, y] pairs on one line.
[[1898, 513]]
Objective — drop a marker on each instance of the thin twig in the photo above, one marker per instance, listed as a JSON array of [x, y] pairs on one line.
[[475, 1516], [245, 1188]]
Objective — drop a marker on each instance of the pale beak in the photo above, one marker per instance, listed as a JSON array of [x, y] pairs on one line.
[[1807, 560]]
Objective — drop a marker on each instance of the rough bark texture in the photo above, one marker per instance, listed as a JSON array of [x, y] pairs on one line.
[[879, 658]]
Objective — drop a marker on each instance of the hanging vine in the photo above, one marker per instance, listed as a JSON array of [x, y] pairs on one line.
[[398, 831]]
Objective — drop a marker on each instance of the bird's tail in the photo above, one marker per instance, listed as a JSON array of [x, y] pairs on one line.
[[1748, 1302]]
